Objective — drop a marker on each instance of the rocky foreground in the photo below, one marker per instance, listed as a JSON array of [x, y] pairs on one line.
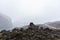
[[33, 32]]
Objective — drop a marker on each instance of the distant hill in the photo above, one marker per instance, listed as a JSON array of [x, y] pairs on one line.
[[55, 24], [51, 25], [5, 22], [39, 25]]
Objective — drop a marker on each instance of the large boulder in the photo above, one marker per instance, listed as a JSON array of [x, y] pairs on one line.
[[5, 22]]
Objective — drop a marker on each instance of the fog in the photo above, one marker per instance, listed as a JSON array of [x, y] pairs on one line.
[[5, 23], [23, 12]]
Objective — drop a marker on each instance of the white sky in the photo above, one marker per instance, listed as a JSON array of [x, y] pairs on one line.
[[25, 11]]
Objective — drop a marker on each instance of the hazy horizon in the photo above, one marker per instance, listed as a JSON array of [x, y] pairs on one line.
[[25, 11]]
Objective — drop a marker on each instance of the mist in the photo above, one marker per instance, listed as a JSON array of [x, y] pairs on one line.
[[23, 12]]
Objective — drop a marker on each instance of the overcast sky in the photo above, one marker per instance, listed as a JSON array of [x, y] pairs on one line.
[[25, 11]]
